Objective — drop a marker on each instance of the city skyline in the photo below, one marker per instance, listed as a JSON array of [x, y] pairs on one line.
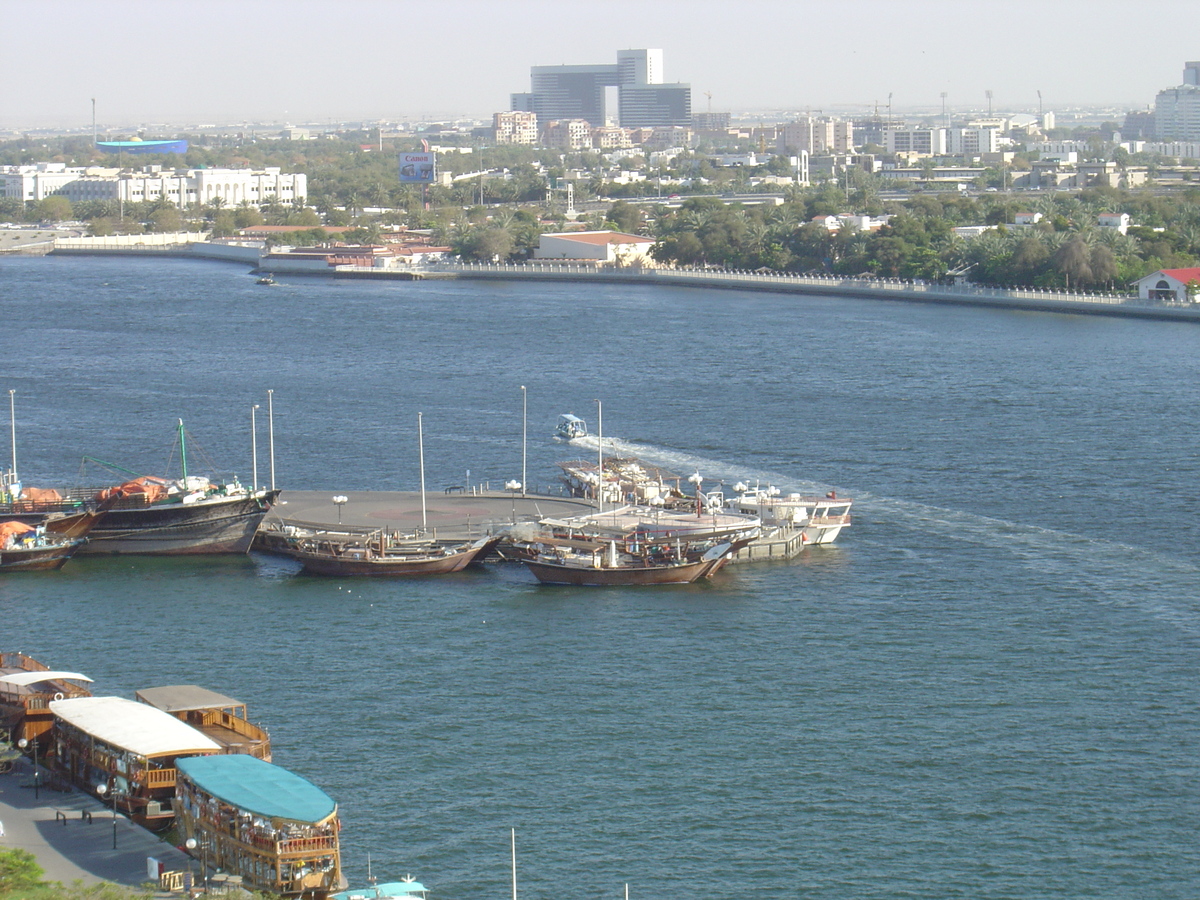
[[221, 62]]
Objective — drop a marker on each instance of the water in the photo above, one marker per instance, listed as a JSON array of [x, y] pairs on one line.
[[988, 690]]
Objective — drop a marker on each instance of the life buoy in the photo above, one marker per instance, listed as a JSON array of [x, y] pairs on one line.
[[58, 696]]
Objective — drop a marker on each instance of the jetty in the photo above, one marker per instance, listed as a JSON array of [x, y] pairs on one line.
[[453, 513]]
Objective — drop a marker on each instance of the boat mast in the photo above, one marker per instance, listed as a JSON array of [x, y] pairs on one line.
[[12, 417], [599, 456], [421, 452], [514, 862], [271, 432], [183, 453]]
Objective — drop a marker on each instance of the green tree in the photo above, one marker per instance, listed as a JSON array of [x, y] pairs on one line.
[[247, 217], [19, 871], [624, 217], [167, 219], [55, 208]]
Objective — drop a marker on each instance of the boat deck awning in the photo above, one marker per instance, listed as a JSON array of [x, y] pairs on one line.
[[184, 698], [258, 787], [26, 678], [135, 727]]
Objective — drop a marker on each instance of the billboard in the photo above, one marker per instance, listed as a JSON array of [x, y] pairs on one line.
[[417, 168], [143, 146]]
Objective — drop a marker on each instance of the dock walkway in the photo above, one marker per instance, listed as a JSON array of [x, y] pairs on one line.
[[449, 515], [71, 834]]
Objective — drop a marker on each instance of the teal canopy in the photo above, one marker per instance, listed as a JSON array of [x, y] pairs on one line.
[[258, 787], [378, 892]]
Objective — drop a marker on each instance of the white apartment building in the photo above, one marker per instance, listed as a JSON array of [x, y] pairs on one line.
[[974, 140], [816, 136], [1177, 109], [181, 187], [516, 127], [922, 141]]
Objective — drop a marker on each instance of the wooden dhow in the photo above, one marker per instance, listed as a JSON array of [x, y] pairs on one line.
[[277, 831], [27, 688], [219, 717], [30, 548]]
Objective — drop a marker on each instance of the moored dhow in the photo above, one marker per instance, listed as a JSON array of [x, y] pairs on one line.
[[219, 717], [27, 687], [275, 830], [124, 752], [29, 548]]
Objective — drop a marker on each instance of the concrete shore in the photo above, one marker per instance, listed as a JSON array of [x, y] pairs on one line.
[[72, 834], [454, 514]]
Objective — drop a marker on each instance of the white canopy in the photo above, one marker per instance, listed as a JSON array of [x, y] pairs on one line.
[[136, 727], [37, 677]]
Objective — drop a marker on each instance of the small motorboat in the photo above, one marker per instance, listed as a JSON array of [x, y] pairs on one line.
[[266, 279], [570, 427]]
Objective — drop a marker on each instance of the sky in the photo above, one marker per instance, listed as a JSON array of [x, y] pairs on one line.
[[320, 61]]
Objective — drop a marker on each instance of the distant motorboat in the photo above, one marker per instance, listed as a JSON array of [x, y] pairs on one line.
[[266, 279], [570, 427]]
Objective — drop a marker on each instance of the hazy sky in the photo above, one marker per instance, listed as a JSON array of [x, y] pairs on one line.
[[232, 61]]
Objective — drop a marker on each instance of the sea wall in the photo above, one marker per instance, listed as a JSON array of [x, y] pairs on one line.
[[875, 289]]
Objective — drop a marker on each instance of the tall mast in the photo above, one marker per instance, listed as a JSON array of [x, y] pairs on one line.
[[600, 456], [183, 452], [271, 432], [421, 451], [12, 417]]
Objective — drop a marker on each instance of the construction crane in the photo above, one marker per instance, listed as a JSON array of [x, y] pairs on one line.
[[708, 94]]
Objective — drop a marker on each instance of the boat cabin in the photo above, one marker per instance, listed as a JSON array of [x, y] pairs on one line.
[[119, 749], [219, 717], [27, 688], [249, 818], [570, 427], [405, 890]]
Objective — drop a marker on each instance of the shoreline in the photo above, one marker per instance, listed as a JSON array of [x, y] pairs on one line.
[[1119, 305]]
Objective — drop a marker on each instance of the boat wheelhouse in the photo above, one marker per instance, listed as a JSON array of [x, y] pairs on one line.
[[408, 889], [570, 427], [27, 688], [276, 830], [126, 751], [817, 520], [219, 717]]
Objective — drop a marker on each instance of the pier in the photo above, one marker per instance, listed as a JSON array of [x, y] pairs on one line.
[[453, 513]]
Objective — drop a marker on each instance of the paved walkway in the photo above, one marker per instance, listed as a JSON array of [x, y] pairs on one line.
[[78, 850], [454, 514]]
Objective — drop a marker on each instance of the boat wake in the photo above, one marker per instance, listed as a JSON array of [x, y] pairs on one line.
[[1071, 565]]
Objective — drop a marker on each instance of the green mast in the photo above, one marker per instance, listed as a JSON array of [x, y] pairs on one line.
[[183, 452]]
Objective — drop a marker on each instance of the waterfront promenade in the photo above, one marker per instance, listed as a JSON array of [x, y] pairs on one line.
[[1029, 299], [454, 514], [55, 827]]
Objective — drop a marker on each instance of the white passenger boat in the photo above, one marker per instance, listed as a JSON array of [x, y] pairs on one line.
[[819, 520], [570, 427]]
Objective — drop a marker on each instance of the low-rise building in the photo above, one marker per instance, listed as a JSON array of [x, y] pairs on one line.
[[517, 127], [568, 134], [1172, 285], [596, 247]]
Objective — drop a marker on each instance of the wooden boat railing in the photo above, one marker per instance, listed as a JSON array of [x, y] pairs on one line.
[[156, 778], [308, 844]]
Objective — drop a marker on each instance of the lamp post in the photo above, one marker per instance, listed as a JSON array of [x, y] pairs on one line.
[[271, 432], [524, 435], [254, 444], [340, 500], [192, 844], [102, 789], [513, 486], [696, 478], [23, 743]]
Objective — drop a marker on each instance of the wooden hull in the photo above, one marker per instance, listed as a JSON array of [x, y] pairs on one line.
[[557, 573], [357, 562], [34, 559], [224, 525]]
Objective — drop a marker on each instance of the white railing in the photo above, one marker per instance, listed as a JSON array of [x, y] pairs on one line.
[[740, 278]]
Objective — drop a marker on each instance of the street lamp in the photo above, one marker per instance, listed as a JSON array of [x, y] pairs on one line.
[[23, 743], [254, 445], [513, 486], [340, 500], [696, 478], [102, 789], [192, 844]]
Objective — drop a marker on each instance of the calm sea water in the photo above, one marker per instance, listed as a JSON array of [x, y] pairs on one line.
[[988, 690]]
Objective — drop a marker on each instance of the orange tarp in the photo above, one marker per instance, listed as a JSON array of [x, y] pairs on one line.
[[41, 495], [147, 486], [12, 529]]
